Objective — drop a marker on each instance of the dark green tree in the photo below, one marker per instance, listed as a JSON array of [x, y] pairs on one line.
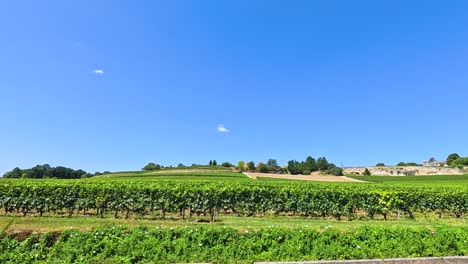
[[226, 164], [151, 166], [211, 163], [322, 164], [294, 167], [380, 164], [310, 164], [251, 166], [15, 173], [272, 164], [451, 158], [262, 167], [401, 164], [367, 172], [215, 163]]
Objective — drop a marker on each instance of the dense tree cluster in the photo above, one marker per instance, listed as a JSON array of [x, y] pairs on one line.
[[311, 165], [293, 167], [451, 158], [407, 164], [454, 160], [46, 171], [152, 166], [271, 166]]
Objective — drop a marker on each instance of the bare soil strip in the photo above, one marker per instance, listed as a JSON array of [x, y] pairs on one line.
[[312, 177]]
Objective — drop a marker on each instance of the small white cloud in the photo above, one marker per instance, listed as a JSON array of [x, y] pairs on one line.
[[98, 72], [222, 129]]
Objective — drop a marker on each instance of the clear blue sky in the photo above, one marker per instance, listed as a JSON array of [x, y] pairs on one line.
[[104, 86]]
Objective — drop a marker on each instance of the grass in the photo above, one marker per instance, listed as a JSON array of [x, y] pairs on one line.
[[433, 179], [59, 223]]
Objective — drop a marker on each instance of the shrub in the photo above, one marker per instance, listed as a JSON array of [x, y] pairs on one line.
[[380, 164], [306, 172], [367, 172], [226, 164], [336, 171], [151, 166]]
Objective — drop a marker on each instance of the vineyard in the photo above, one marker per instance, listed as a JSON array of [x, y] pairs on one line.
[[227, 245], [124, 198]]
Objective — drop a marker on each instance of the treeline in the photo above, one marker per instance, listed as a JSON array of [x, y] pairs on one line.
[[212, 164], [454, 160], [294, 167], [46, 171]]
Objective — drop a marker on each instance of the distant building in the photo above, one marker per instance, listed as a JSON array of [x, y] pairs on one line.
[[433, 162]]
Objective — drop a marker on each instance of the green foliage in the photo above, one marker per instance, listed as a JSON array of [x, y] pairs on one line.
[[451, 158], [121, 196], [251, 166], [294, 167], [45, 171], [214, 163], [226, 164], [227, 245], [310, 164], [241, 166], [322, 164], [402, 164], [262, 167], [151, 166], [460, 162], [336, 171], [272, 165], [367, 172], [210, 163], [380, 164]]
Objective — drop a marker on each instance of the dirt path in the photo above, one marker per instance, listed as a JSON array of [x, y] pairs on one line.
[[312, 177]]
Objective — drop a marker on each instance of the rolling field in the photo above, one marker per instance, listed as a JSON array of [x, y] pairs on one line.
[[380, 210]]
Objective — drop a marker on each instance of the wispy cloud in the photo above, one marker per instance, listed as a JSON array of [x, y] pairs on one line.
[[222, 129], [98, 72]]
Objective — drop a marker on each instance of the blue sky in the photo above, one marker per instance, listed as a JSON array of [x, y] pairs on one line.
[[104, 86]]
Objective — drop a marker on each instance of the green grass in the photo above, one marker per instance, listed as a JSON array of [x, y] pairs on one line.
[[59, 223], [436, 179]]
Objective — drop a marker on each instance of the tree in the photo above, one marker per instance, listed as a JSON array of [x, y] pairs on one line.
[[15, 173], [251, 166], [272, 164], [215, 163], [322, 164], [412, 164], [367, 172], [241, 166], [401, 164], [211, 163], [451, 158], [460, 162], [262, 167], [226, 164], [151, 166], [380, 164], [310, 164], [294, 167], [180, 166]]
